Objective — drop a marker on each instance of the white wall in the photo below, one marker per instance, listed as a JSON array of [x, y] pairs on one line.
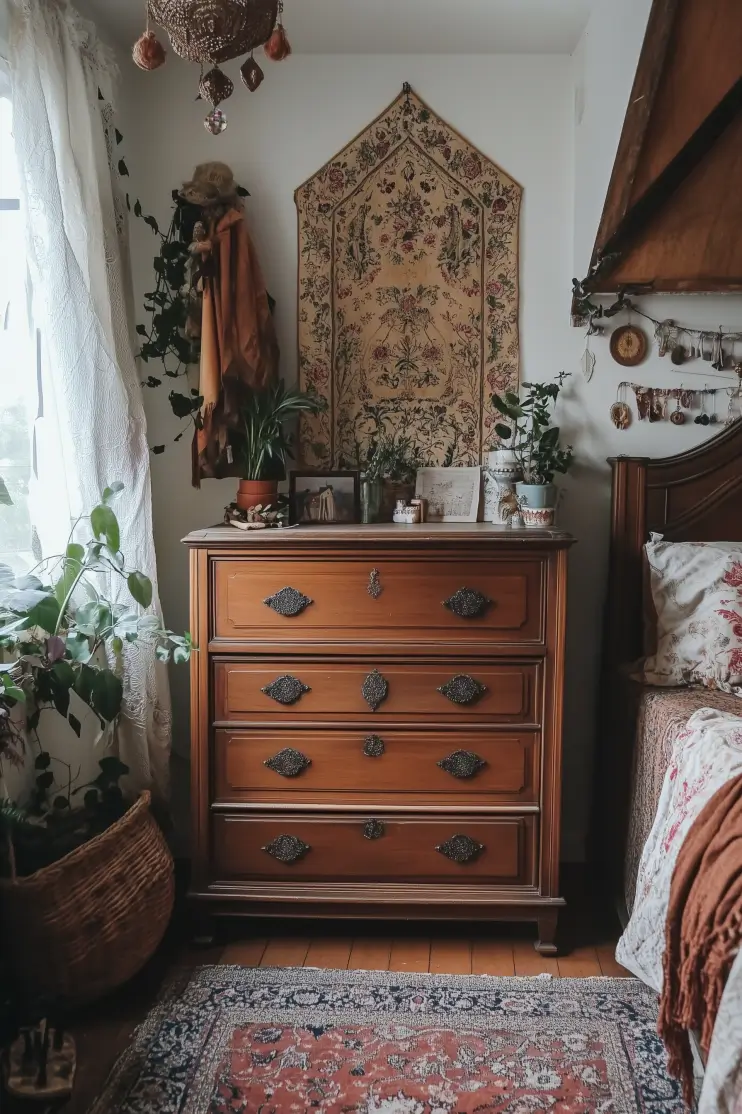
[[553, 123]]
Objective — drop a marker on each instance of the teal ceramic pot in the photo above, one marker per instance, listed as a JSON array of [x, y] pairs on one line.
[[537, 496]]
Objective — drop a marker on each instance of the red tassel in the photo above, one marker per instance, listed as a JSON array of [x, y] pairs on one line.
[[148, 52]]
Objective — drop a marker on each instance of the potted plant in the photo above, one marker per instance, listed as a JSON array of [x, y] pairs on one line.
[[534, 443], [87, 886], [389, 475], [264, 442]]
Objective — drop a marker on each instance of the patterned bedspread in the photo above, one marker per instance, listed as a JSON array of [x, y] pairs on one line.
[[662, 715]]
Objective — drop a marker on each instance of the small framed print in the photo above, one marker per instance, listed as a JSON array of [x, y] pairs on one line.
[[451, 494], [324, 498]]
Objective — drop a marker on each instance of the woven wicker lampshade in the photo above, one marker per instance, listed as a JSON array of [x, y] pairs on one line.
[[210, 32], [213, 31]]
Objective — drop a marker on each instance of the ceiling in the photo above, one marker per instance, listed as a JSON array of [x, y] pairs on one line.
[[401, 26]]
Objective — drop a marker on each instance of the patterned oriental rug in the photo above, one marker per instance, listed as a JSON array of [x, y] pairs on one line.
[[234, 1040]]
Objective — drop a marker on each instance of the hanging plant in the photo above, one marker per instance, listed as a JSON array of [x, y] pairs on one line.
[[167, 338]]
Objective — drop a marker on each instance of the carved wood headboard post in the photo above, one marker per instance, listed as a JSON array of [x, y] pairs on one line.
[[623, 626]]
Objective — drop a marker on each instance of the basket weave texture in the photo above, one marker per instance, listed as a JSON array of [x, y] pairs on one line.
[[86, 924]]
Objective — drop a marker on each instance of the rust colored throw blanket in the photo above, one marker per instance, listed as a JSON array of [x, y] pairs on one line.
[[703, 931]]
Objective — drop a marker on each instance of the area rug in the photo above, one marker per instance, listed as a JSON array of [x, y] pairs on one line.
[[408, 291], [233, 1040]]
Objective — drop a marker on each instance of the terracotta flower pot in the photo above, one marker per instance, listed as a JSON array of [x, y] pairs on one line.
[[254, 493]]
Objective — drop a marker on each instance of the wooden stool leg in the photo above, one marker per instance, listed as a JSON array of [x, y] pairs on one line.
[[547, 928]]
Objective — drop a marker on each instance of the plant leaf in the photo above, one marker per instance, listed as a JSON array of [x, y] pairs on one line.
[[105, 525], [45, 614], [107, 693], [140, 587]]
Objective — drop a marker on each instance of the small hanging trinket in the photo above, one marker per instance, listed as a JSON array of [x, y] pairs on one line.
[[148, 52], [713, 420], [278, 46], [703, 418], [215, 122], [677, 417], [252, 75], [620, 411], [215, 86]]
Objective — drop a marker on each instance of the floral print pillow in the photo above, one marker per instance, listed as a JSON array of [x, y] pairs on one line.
[[697, 594]]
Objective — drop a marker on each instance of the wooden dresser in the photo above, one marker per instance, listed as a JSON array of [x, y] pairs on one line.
[[377, 722]]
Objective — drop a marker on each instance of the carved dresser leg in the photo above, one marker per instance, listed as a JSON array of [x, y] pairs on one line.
[[547, 927]]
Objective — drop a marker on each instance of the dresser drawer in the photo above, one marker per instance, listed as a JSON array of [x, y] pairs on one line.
[[455, 692], [354, 767], [374, 848], [310, 600]]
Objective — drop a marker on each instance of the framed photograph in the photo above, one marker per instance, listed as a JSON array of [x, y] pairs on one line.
[[451, 494], [324, 498]]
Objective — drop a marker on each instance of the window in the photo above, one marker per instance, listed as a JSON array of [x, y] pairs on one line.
[[19, 349]]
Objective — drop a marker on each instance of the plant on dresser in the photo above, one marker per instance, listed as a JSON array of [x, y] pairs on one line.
[[534, 443], [376, 722]]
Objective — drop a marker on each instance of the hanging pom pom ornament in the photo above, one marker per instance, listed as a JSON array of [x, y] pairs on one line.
[[148, 52], [278, 46], [215, 122], [252, 75]]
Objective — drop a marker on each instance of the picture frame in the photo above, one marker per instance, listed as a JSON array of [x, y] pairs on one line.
[[311, 505], [450, 494]]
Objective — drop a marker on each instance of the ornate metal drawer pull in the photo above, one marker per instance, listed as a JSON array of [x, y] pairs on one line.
[[467, 603], [462, 764], [286, 689], [373, 829], [375, 689], [288, 762], [374, 584], [461, 849], [462, 689], [288, 602], [287, 849], [373, 746]]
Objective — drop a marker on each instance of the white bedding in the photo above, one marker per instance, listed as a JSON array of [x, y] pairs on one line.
[[707, 753]]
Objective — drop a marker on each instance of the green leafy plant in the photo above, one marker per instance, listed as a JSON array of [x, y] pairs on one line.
[[530, 434], [264, 440], [394, 457], [59, 636]]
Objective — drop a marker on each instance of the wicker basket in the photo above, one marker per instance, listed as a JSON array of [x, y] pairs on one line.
[[85, 925]]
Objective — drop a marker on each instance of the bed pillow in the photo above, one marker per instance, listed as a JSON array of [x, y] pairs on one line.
[[697, 594]]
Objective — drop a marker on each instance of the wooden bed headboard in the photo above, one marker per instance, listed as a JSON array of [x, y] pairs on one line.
[[695, 496]]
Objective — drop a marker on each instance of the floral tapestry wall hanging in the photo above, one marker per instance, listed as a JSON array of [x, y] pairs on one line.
[[408, 291]]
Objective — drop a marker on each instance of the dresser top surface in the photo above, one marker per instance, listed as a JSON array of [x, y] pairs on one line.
[[389, 533]]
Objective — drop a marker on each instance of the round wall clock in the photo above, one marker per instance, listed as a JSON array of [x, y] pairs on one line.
[[628, 345]]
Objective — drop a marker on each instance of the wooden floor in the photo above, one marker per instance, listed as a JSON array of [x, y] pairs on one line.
[[441, 955]]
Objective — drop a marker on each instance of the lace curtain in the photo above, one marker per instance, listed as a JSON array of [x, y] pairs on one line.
[[91, 428]]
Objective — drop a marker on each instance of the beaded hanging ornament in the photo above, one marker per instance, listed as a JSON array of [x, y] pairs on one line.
[[211, 32]]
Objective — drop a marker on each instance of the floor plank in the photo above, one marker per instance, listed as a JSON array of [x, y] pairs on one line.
[[285, 951], [492, 957], [450, 957], [527, 960], [609, 965], [369, 954], [410, 955], [330, 954], [581, 963], [243, 953]]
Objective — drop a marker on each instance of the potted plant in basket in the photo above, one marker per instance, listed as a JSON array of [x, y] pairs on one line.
[[389, 475], [534, 443], [87, 888], [264, 441]]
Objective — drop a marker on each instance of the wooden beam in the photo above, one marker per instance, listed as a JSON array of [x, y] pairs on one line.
[[665, 185], [643, 92]]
